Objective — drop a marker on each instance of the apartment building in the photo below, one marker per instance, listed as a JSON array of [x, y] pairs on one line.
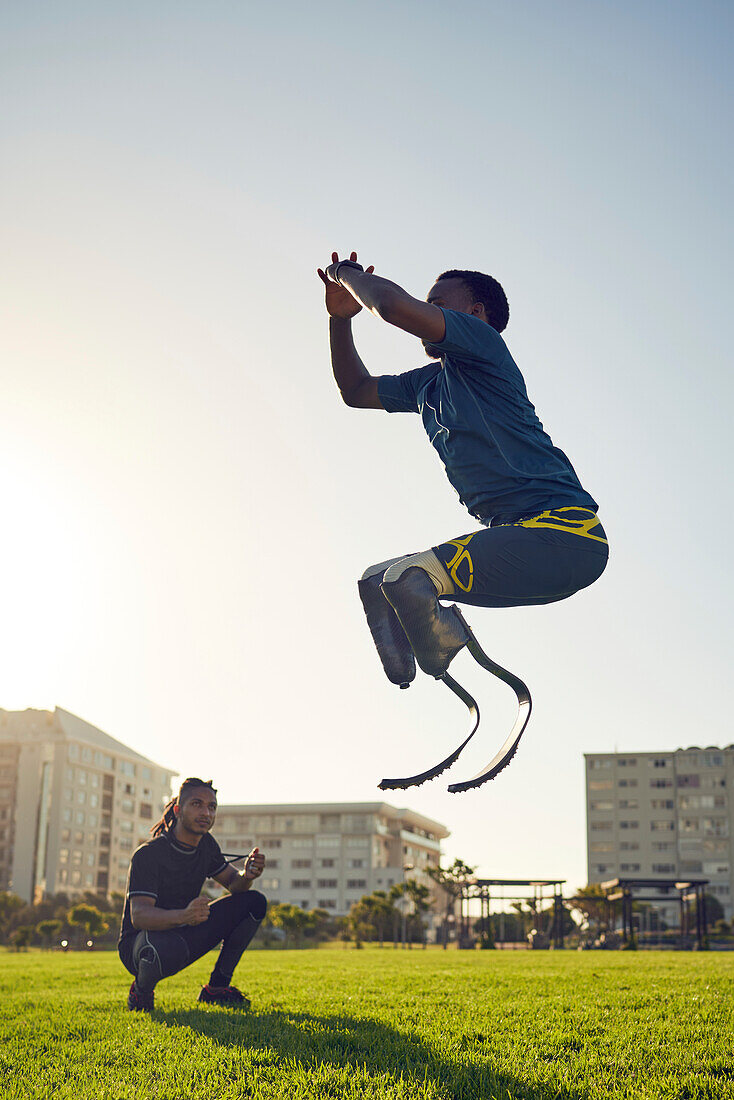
[[326, 855], [74, 804], [663, 813]]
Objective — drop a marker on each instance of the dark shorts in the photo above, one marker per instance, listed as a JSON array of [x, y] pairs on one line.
[[537, 560]]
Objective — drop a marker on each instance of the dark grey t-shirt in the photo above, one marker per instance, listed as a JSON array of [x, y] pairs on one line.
[[477, 414], [170, 872]]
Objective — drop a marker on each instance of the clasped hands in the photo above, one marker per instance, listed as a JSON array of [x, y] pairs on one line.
[[339, 301]]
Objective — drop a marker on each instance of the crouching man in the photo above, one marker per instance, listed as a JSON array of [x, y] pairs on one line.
[[166, 923]]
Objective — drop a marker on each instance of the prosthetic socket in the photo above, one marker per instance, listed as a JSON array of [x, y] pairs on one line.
[[388, 635], [400, 599]]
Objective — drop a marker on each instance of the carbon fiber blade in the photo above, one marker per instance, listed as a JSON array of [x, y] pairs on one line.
[[509, 748], [422, 777]]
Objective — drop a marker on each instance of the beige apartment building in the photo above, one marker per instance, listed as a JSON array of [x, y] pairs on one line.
[[667, 814], [74, 804], [326, 855]]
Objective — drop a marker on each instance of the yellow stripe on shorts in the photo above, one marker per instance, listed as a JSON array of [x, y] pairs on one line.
[[555, 519]]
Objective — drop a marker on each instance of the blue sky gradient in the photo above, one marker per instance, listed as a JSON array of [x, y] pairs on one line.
[[188, 504]]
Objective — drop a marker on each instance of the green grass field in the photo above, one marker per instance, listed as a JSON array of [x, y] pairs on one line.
[[376, 1023]]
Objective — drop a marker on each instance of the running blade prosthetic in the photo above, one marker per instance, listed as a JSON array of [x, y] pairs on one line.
[[509, 748]]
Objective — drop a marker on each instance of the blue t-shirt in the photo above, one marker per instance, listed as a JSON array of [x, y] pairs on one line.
[[478, 416]]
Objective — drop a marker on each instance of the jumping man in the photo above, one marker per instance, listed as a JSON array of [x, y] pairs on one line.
[[540, 539], [167, 924]]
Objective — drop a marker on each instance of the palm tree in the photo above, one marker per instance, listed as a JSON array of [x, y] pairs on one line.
[[452, 881]]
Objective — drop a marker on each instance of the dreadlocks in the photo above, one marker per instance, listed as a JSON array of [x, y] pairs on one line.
[[486, 290], [169, 818]]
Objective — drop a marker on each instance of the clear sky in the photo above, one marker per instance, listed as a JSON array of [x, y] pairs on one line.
[[187, 505]]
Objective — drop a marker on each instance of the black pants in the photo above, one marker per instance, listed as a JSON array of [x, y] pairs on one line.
[[233, 921]]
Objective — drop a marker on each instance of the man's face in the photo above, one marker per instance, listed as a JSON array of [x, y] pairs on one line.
[[197, 812], [451, 294]]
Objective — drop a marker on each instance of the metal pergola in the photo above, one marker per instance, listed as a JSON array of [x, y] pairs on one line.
[[482, 889], [691, 890]]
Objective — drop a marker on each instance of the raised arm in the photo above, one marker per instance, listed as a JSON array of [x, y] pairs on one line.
[[356, 385], [387, 300]]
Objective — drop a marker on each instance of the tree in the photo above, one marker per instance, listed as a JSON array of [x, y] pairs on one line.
[[714, 909], [88, 918], [591, 902], [418, 895], [48, 930], [291, 919], [10, 904], [371, 915], [452, 881], [22, 937]]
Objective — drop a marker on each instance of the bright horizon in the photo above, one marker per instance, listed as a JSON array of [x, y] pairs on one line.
[[187, 504]]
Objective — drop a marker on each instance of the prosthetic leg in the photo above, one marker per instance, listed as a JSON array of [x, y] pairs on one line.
[[435, 634]]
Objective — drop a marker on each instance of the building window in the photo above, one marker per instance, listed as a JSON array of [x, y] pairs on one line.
[[146, 811], [662, 826], [326, 863], [328, 883], [629, 824], [660, 783], [601, 826], [602, 805], [601, 785], [663, 868], [327, 903], [274, 842], [300, 863], [356, 883], [629, 804], [628, 783], [301, 884]]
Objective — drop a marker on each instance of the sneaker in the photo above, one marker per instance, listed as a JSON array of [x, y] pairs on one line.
[[223, 995], [140, 1002]]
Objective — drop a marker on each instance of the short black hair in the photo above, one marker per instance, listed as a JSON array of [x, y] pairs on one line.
[[486, 290]]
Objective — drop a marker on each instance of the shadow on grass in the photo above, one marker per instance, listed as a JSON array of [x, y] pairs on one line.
[[353, 1042]]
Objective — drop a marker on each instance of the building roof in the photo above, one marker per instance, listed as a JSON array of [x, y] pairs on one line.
[[71, 727], [409, 816]]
